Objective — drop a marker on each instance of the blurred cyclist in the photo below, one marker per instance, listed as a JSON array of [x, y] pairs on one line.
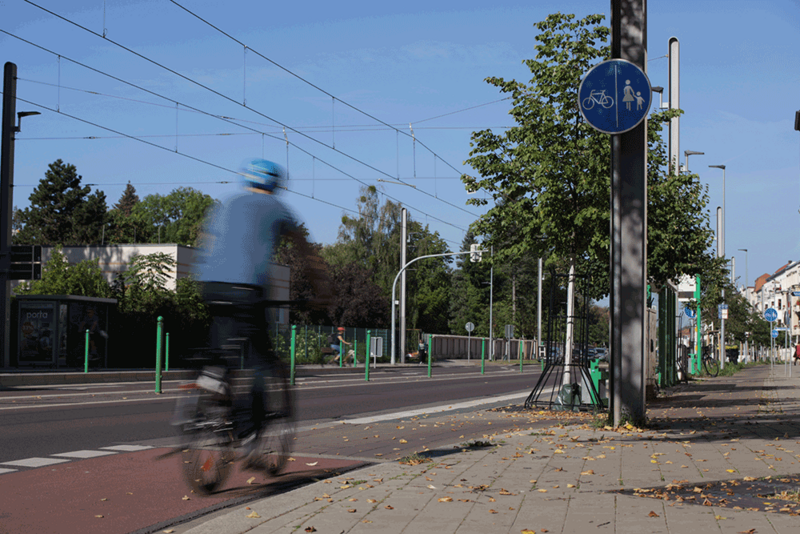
[[239, 243]]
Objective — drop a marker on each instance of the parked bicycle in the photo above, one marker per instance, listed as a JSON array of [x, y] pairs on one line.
[[710, 363]]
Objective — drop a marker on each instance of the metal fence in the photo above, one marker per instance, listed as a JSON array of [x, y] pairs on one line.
[[311, 342]]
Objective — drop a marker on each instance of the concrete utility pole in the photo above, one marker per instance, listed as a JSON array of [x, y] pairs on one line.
[[629, 226], [403, 261], [539, 311], [674, 103]]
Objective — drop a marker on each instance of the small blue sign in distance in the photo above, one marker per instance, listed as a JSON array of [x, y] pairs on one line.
[[774, 333], [690, 313], [771, 314], [796, 293], [614, 96]]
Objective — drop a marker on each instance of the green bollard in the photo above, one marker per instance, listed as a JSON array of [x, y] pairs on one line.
[[366, 359], [166, 354], [86, 354], [291, 355], [355, 352], [483, 354], [159, 328], [430, 353], [341, 352], [520, 355]]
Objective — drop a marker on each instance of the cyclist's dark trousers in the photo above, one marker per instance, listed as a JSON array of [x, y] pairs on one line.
[[239, 322]]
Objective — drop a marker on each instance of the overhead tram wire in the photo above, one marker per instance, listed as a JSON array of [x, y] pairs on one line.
[[198, 160], [319, 129], [354, 108], [190, 80], [219, 117]]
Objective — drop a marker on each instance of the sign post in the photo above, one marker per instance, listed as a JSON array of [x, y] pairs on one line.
[[771, 315], [627, 300], [470, 327]]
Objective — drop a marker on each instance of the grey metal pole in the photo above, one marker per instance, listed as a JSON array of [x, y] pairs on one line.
[[628, 226], [674, 103], [491, 307], [6, 202], [539, 312], [403, 261]]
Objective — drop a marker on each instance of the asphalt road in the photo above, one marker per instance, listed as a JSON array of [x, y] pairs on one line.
[[47, 420]]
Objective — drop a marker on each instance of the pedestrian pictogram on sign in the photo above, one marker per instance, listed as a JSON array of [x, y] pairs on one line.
[[614, 96]]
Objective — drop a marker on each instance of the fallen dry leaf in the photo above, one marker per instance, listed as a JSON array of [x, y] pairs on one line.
[[389, 507], [589, 472], [253, 515], [751, 531], [493, 511], [251, 480], [351, 511], [290, 459], [446, 499], [99, 516], [431, 486], [371, 501], [652, 514], [312, 464], [527, 531], [310, 529], [186, 498], [170, 531]]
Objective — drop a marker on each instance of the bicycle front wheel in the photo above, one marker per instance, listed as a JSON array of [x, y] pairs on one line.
[[207, 456], [277, 434], [711, 365], [588, 103]]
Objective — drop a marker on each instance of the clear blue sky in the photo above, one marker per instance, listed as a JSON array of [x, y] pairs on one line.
[[402, 63]]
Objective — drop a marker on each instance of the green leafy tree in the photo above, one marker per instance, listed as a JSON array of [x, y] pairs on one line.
[[62, 212], [174, 218], [123, 227], [84, 279], [144, 284], [550, 174]]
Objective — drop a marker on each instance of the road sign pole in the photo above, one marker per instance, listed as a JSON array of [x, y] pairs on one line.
[[628, 226]]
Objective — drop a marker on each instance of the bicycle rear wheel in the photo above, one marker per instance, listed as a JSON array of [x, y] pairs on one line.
[[711, 365], [277, 434], [208, 455]]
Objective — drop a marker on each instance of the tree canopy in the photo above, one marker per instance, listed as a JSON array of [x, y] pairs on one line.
[[62, 212]]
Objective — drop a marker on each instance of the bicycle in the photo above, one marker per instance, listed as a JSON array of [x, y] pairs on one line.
[[598, 97], [215, 418], [710, 364]]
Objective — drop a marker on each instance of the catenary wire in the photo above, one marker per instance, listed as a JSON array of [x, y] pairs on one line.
[[194, 158], [225, 119], [195, 82], [320, 129]]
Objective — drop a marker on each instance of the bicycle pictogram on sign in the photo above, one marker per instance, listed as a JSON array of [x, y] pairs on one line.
[[598, 97]]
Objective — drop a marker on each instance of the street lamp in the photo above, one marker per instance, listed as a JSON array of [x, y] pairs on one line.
[[688, 153], [746, 277], [722, 255], [722, 249], [660, 91]]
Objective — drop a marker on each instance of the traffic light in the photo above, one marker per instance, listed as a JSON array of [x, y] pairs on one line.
[[474, 253], [26, 262]]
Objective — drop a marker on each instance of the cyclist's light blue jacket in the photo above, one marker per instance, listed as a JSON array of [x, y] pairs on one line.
[[240, 238]]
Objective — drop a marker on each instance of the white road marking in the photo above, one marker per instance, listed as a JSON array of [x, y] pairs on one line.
[[84, 454], [35, 462], [127, 448], [435, 409], [3, 470]]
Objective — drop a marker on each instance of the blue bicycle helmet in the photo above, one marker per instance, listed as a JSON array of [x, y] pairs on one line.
[[263, 174]]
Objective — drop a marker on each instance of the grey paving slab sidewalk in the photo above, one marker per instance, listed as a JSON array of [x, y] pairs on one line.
[[708, 443]]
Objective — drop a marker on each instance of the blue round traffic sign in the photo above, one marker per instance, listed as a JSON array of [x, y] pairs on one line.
[[614, 96], [774, 333], [690, 313], [771, 314]]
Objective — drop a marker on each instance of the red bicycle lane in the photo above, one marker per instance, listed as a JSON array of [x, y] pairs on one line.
[[129, 492]]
